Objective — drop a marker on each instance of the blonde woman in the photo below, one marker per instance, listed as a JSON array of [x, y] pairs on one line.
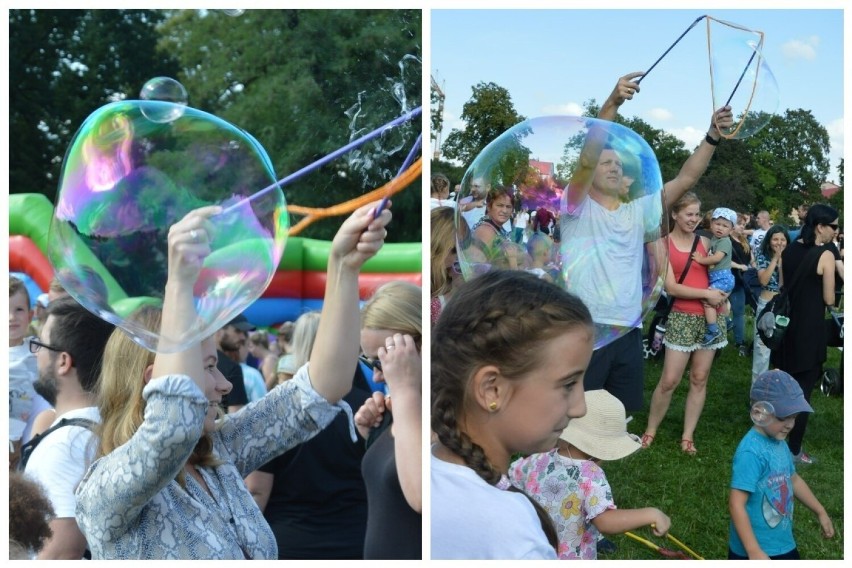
[[391, 324], [168, 479], [445, 273], [304, 334]]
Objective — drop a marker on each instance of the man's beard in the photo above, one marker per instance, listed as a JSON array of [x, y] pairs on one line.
[[46, 387]]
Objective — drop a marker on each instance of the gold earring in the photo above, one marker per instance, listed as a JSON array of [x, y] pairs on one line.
[[492, 407]]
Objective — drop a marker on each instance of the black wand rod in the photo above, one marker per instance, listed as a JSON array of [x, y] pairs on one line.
[[639, 80], [737, 86]]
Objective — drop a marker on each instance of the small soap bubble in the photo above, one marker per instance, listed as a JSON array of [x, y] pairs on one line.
[[167, 98], [762, 413], [594, 231], [126, 179]]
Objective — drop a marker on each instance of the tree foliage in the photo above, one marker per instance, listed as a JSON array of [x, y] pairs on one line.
[[488, 114], [64, 64], [304, 83], [790, 155]]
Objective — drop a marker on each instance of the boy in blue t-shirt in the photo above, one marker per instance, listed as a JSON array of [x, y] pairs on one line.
[[764, 479]]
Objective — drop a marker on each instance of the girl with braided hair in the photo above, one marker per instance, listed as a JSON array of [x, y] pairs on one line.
[[508, 358]]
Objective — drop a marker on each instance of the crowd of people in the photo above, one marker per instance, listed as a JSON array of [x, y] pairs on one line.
[[196, 452], [306, 441], [525, 405]]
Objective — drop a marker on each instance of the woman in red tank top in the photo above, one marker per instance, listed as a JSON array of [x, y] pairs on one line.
[[686, 325]]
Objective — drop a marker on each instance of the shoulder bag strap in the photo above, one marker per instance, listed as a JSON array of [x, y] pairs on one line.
[[689, 260]]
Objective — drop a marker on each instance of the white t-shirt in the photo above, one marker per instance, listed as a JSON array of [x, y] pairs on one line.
[[24, 403], [434, 203], [474, 520], [757, 238], [62, 458], [602, 256], [472, 216]]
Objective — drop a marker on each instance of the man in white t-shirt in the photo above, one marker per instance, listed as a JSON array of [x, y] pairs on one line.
[[603, 245], [473, 206], [70, 349], [763, 225]]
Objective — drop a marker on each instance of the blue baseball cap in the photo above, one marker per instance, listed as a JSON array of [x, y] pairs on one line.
[[781, 391]]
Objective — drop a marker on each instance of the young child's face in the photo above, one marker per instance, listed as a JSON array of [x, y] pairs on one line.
[[539, 406], [20, 316], [779, 428], [721, 228]]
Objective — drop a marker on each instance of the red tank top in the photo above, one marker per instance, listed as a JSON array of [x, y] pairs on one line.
[[695, 278]]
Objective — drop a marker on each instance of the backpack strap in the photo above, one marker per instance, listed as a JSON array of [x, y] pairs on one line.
[[27, 449]]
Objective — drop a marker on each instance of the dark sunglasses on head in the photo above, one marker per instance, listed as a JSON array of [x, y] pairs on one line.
[[371, 363]]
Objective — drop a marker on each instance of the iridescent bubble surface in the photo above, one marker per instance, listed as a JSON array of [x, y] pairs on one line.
[[593, 193], [127, 179], [740, 77], [166, 90]]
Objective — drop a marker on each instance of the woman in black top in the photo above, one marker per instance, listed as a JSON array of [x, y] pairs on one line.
[[804, 348], [740, 260]]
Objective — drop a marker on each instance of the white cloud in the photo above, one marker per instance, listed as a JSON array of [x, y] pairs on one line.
[[690, 135], [661, 114], [572, 109], [801, 49]]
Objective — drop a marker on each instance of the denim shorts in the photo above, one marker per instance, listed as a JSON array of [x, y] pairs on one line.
[[685, 332], [722, 280]]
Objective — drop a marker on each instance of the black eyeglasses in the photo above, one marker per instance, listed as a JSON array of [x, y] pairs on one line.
[[834, 226], [372, 363], [35, 345]]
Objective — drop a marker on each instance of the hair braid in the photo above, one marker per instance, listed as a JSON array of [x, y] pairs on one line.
[[501, 318]]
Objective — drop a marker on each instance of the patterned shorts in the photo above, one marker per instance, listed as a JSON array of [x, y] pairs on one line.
[[685, 332]]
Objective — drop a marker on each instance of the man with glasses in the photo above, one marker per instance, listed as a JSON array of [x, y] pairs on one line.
[[68, 354]]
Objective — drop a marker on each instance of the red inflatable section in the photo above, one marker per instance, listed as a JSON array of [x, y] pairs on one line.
[[26, 257], [310, 284]]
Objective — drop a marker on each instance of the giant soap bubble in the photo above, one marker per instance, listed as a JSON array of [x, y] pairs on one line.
[[741, 77], [126, 179], [593, 193]]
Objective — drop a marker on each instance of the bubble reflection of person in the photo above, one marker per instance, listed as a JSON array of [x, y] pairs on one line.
[[609, 278]]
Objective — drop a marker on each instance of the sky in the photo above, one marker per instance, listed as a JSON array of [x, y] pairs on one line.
[[552, 61]]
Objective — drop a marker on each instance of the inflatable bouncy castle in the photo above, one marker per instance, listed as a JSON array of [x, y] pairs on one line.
[[296, 287]]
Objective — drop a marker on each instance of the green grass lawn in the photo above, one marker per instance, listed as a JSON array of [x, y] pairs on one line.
[[693, 490]]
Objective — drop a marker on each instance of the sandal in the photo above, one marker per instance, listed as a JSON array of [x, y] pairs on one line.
[[688, 447], [646, 440]]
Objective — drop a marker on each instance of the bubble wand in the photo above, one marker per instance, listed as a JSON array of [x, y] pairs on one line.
[[328, 158], [695, 23], [405, 165]]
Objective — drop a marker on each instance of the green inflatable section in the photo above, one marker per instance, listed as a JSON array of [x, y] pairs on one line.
[[30, 215]]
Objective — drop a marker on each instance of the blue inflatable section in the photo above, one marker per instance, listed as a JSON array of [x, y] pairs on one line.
[[266, 312]]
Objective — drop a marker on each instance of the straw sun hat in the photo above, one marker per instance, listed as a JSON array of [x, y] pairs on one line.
[[602, 432]]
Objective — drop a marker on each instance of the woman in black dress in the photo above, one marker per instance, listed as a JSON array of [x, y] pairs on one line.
[[804, 349]]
